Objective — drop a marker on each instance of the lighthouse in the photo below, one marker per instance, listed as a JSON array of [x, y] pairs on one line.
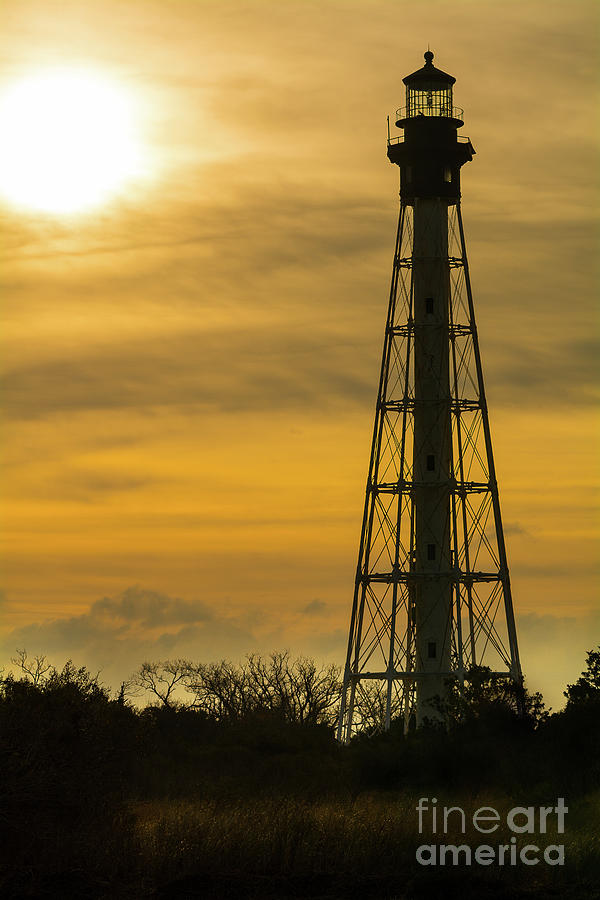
[[432, 595]]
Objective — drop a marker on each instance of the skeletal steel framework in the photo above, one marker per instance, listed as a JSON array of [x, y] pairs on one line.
[[432, 593]]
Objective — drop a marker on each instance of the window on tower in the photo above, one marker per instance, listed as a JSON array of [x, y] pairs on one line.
[[430, 551], [431, 650], [430, 462], [429, 306], [448, 175]]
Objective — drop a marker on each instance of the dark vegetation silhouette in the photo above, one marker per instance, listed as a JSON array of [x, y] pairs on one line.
[[229, 782]]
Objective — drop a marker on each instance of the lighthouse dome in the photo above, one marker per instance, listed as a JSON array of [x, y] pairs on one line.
[[428, 73]]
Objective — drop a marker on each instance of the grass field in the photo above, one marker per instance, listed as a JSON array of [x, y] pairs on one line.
[[363, 847]]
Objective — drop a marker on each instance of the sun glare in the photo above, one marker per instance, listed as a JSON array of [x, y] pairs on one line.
[[70, 141]]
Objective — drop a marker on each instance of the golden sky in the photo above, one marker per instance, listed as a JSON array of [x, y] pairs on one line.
[[190, 368]]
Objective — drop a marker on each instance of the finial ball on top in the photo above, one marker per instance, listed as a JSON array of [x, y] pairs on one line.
[[428, 57]]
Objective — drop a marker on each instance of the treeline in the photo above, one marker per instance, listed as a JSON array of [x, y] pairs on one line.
[[62, 731], [74, 754]]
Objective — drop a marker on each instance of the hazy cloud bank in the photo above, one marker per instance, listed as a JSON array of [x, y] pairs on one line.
[[118, 633]]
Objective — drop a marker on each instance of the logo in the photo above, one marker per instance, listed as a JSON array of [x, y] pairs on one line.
[[520, 820]]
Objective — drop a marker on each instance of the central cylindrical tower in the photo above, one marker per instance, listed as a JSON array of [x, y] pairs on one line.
[[431, 450]]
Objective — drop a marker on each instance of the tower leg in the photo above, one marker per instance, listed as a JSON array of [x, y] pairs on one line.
[[515, 663]]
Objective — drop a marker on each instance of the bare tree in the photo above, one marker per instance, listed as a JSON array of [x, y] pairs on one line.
[[296, 689], [219, 689], [37, 670], [160, 679]]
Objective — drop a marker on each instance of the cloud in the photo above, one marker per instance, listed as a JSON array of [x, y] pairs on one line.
[[554, 568], [230, 369], [270, 222], [88, 485], [564, 371], [118, 633], [514, 528], [314, 608], [272, 302], [148, 609], [255, 369]]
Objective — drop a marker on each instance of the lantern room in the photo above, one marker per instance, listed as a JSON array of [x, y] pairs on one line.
[[428, 91]]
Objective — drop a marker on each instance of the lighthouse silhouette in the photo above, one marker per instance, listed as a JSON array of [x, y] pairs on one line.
[[432, 597]]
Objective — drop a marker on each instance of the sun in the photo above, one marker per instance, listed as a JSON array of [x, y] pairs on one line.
[[70, 141]]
